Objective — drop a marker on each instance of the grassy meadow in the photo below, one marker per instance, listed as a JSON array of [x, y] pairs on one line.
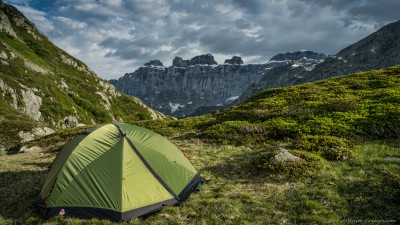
[[345, 129]]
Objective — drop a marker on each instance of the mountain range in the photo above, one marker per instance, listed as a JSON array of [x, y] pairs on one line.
[[200, 85]]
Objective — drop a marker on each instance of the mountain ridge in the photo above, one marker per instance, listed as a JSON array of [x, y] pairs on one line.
[[380, 49], [46, 87]]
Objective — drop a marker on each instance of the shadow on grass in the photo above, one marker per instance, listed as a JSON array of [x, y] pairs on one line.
[[239, 167], [41, 165], [377, 195], [18, 191], [371, 200]]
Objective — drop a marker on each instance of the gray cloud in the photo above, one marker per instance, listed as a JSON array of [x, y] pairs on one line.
[[117, 36]]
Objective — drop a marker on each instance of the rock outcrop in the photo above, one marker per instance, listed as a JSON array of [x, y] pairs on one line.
[[207, 59], [235, 60], [154, 63], [284, 156], [179, 62]]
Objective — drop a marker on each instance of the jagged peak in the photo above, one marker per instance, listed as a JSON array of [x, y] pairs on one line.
[[155, 62], [234, 60], [206, 59]]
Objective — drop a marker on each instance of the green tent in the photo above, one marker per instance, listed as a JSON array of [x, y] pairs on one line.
[[116, 172]]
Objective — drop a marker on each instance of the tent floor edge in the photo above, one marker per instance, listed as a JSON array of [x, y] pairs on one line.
[[91, 212], [147, 209], [191, 187]]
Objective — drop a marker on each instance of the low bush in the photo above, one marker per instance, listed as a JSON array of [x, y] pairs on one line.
[[330, 147]]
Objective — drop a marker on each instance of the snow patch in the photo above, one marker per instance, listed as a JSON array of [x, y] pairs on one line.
[[157, 67], [309, 68], [233, 98], [278, 61], [175, 106], [189, 103]]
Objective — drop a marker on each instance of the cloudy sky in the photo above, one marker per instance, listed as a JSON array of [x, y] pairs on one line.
[[115, 37]]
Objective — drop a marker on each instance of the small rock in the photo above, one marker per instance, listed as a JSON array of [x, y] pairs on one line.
[[26, 136], [31, 149], [3, 55], [284, 156], [80, 125], [42, 131]]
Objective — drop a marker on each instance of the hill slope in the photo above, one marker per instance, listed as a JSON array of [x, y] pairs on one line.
[[47, 87]]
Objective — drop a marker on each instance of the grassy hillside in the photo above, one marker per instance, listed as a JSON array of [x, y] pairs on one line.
[[48, 85], [344, 129]]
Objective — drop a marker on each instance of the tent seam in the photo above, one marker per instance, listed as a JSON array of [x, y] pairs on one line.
[[158, 178]]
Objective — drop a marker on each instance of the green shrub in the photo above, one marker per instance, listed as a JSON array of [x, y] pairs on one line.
[[279, 128], [330, 147], [101, 115], [383, 124], [37, 48], [391, 181]]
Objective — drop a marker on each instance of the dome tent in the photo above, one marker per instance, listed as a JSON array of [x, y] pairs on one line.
[[116, 172]]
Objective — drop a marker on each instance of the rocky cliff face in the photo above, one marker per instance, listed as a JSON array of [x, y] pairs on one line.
[[41, 85], [198, 86], [378, 50], [180, 89]]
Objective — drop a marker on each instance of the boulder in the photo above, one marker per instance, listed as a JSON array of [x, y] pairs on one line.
[[284, 156], [69, 121]]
